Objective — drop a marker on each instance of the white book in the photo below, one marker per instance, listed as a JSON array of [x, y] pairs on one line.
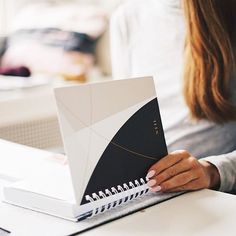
[[112, 134]]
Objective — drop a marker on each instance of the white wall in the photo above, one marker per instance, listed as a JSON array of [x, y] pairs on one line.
[[4, 15], [8, 8]]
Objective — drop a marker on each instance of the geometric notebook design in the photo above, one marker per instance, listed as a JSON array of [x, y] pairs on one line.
[[137, 145], [112, 133]]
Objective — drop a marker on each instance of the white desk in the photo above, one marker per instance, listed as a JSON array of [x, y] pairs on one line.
[[199, 213]]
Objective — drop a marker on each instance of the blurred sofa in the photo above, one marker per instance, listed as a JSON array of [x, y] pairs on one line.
[[29, 117], [18, 22]]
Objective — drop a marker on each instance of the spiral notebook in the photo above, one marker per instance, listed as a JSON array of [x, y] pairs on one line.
[[112, 133]]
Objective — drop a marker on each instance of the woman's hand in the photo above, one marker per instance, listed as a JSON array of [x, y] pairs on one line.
[[180, 171]]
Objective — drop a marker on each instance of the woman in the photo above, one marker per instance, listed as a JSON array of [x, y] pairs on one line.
[[189, 48]]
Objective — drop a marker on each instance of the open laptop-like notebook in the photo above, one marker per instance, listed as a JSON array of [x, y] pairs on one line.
[[112, 134]]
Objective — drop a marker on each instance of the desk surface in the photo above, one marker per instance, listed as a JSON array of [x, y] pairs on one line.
[[198, 213]]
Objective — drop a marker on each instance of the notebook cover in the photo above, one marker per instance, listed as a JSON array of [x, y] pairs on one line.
[[137, 145], [112, 132]]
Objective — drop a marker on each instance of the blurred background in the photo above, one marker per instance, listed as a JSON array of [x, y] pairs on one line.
[[45, 44]]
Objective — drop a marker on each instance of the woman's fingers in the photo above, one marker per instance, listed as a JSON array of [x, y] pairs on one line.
[[172, 171], [192, 185], [178, 181], [181, 171], [174, 182], [167, 162]]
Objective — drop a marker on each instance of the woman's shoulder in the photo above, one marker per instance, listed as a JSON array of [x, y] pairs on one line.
[[133, 8], [129, 15], [134, 5]]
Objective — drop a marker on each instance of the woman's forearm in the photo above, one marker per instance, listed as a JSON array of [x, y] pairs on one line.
[[226, 165]]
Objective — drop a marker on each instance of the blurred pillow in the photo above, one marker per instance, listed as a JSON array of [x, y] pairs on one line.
[[60, 41]]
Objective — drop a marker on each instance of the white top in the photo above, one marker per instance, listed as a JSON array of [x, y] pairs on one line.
[[147, 38]]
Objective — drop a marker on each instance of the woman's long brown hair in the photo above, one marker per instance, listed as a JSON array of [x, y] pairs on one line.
[[210, 58]]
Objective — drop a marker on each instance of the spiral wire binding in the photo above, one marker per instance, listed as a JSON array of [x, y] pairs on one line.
[[113, 191]]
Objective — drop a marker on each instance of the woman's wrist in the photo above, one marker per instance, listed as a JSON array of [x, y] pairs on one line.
[[212, 173]]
